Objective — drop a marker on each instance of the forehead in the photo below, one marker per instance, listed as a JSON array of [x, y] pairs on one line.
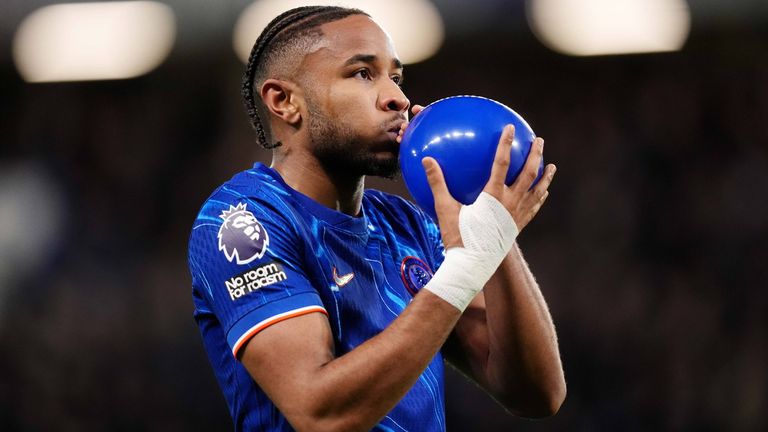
[[356, 34]]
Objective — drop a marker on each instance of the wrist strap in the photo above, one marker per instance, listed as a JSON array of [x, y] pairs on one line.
[[488, 233]]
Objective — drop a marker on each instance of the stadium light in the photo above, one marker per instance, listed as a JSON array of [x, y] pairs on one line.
[[93, 41], [415, 26], [602, 27]]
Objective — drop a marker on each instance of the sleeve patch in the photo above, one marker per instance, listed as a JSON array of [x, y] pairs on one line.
[[242, 238], [255, 278]]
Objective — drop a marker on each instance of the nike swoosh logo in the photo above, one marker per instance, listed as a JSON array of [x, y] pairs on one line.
[[342, 280]]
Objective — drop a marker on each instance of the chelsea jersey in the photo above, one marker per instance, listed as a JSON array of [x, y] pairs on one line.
[[261, 252]]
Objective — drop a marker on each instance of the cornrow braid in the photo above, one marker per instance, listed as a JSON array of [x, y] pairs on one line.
[[290, 23]]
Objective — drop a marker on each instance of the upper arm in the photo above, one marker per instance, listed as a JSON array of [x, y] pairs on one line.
[[247, 262], [283, 359]]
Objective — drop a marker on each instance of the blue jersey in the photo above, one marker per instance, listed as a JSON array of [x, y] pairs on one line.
[[261, 252]]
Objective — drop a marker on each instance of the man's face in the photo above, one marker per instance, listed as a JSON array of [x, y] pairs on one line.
[[354, 103]]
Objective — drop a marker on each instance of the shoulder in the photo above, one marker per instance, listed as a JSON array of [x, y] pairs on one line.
[[246, 208], [253, 193], [250, 188]]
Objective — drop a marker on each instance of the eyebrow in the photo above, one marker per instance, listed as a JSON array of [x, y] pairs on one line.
[[370, 59]]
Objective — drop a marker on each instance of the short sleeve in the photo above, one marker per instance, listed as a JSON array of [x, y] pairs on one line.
[[246, 260]]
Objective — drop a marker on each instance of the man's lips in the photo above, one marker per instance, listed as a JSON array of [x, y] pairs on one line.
[[391, 130], [396, 124], [395, 128]]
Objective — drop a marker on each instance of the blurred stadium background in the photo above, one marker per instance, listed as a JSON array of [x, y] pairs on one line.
[[652, 250]]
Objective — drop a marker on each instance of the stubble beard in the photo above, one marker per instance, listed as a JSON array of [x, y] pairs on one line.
[[340, 151]]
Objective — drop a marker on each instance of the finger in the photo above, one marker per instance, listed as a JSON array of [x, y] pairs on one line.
[[532, 204], [541, 188], [536, 207], [402, 131], [436, 180], [500, 165], [446, 207], [415, 109], [531, 168]]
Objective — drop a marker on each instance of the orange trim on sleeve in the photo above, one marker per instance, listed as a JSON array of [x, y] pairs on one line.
[[274, 320]]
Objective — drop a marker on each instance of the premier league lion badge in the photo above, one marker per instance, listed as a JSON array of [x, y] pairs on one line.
[[242, 237]]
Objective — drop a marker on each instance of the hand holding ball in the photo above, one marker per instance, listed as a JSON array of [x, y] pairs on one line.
[[461, 133]]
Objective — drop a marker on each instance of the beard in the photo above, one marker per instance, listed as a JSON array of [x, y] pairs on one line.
[[341, 151]]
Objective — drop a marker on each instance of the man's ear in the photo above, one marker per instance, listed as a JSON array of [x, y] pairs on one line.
[[282, 99]]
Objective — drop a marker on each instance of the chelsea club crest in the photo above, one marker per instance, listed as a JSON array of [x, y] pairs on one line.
[[415, 273]]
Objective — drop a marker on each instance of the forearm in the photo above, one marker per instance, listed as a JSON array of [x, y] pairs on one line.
[[523, 364], [354, 391]]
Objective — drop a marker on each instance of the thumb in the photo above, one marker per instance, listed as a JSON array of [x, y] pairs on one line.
[[446, 207], [436, 179]]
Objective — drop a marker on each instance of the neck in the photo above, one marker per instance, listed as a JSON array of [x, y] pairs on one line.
[[305, 174]]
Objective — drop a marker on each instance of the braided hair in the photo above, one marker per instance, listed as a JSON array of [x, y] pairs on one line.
[[285, 30]]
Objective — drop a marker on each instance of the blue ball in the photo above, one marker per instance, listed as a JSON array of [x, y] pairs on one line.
[[461, 133]]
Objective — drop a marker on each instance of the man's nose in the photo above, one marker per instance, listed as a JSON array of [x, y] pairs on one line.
[[393, 99]]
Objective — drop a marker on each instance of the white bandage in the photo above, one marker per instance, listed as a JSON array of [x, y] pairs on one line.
[[488, 233]]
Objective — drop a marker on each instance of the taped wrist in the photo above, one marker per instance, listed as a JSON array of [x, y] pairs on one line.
[[488, 233], [487, 227]]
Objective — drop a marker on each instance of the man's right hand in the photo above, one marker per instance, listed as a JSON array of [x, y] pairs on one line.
[[522, 201]]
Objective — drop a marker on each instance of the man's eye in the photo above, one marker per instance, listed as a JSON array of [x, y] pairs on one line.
[[397, 79], [364, 74]]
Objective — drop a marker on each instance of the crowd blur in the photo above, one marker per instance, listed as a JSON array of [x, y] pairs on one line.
[[652, 250]]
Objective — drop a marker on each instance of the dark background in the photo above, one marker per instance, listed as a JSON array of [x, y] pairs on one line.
[[651, 249]]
